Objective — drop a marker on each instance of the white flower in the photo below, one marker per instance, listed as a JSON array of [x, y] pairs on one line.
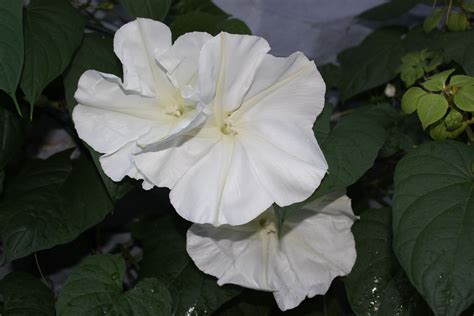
[[315, 246], [156, 100], [256, 148]]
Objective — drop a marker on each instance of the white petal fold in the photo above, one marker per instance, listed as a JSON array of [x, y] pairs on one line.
[[181, 60], [315, 246], [227, 66], [107, 117], [137, 44]]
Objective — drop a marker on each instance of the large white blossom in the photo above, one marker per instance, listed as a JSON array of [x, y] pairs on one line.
[[257, 146], [315, 246], [156, 100]]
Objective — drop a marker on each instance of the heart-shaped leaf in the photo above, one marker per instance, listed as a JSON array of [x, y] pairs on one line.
[[50, 202], [53, 31], [432, 223], [95, 288]]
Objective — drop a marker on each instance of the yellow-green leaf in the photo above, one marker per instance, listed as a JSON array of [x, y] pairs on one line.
[[437, 82], [431, 108], [432, 20], [411, 99], [457, 22], [464, 98]]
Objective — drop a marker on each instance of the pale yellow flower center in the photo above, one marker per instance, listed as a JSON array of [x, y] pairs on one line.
[[227, 128]]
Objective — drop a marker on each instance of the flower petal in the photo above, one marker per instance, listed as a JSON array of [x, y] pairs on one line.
[[165, 163], [321, 238], [221, 188], [120, 163], [136, 44], [288, 176], [289, 89], [227, 66], [108, 117], [313, 249], [174, 127], [181, 60]]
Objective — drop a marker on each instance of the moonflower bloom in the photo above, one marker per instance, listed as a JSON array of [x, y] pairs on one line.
[[257, 146], [155, 101], [315, 246]]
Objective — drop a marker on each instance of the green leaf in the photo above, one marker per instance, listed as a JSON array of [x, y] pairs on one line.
[[411, 99], [464, 98], [95, 288], [437, 82], [389, 10], [24, 294], [206, 22], [431, 108], [50, 202], [468, 5], [53, 31], [322, 126], [461, 81], [165, 257], [440, 130], [432, 223], [11, 46], [331, 75], [377, 284], [454, 119], [11, 136], [374, 62], [457, 21], [353, 145], [458, 46], [152, 9], [432, 20], [96, 52], [180, 7], [410, 75]]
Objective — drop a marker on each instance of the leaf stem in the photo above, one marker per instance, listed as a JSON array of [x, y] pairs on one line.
[[40, 271], [17, 105]]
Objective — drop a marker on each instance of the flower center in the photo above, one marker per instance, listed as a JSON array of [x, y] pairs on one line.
[[268, 226], [227, 127], [174, 110]]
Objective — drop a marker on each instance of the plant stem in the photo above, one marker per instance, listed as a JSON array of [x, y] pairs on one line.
[[40, 271]]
